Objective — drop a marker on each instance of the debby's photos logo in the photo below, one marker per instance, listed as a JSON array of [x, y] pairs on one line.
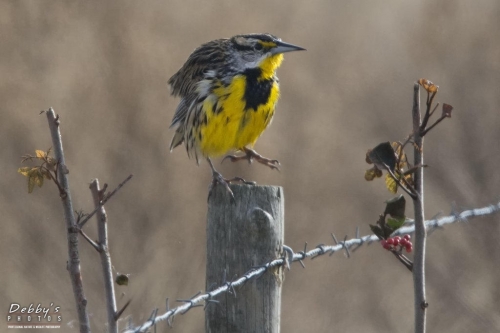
[[34, 316]]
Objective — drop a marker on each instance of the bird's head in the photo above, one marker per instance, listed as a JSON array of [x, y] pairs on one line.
[[260, 50]]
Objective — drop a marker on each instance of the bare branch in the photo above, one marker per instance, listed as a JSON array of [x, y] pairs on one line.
[[418, 202], [102, 230], [71, 226]]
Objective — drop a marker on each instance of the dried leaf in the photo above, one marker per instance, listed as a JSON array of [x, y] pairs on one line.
[[24, 171], [51, 163], [40, 154], [428, 85], [391, 184], [373, 173], [409, 179], [400, 153], [447, 108]]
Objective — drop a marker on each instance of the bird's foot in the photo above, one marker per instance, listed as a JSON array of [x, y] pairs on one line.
[[218, 179], [251, 155]]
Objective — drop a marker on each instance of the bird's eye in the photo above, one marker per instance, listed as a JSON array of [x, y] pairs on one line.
[[258, 46]]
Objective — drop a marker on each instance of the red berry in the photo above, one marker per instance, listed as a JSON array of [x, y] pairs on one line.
[[397, 240], [390, 241], [407, 237], [409, 248], [383, 242], [403, 242], [387, 246]]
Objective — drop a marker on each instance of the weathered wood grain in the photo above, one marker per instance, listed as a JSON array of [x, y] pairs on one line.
[[241, 235]]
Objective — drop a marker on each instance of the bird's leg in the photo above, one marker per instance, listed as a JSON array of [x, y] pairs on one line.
[[218, 179], [251, 155]]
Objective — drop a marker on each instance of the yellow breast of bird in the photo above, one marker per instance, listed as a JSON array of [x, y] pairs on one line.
[[236, 114]]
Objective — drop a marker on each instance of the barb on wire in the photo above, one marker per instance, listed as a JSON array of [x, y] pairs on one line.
[[288, 256], [346, 248], [303, 253], [153, 315], [357, 237], [256, 272], [189, 300], [211, 301]]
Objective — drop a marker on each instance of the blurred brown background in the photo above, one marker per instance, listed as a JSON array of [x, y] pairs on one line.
[[104, 68]]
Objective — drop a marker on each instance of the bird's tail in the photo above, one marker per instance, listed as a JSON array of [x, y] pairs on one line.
[[177, 139]]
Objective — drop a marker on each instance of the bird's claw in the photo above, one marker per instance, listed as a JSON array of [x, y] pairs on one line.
[[241, 180], [251, 155], [218, 179], [235, 158]]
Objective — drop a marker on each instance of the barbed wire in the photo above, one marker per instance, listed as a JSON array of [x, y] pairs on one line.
[[292, 256]]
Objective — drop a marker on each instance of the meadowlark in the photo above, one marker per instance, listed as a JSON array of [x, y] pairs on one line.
[[229, 90]]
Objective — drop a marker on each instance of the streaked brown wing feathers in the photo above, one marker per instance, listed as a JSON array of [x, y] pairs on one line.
[[207, 57]]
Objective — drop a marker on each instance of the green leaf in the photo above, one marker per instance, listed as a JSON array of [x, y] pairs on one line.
[[31, 182], [395, 223], [39, 178]]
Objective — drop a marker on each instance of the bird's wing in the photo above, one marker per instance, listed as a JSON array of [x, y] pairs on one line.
[[206, 58]]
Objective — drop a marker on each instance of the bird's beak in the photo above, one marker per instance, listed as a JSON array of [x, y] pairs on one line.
[[283, 47]]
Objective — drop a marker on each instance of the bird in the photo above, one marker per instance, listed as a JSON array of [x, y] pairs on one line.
[[228, 89]]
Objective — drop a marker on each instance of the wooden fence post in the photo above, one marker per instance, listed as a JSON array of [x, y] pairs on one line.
[[242, 235]]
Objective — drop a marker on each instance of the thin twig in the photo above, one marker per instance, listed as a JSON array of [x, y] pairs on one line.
[[424, 132], [427, 116], [409, 191], [91, 242], [405, 261], [119, 313], [413, 169], [103, 201], [435, 108]]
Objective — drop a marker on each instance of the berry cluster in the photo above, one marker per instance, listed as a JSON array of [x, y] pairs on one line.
[[394, 242]]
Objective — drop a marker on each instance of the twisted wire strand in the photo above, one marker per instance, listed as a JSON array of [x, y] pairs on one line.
[[292, 256]]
